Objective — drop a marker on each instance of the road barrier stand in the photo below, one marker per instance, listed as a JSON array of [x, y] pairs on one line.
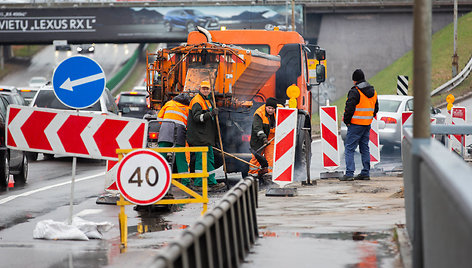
[[329, 142], [222, 237], [195, 197]]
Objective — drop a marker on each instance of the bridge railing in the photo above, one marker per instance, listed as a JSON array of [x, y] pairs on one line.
[[222, 237], [438, 204]]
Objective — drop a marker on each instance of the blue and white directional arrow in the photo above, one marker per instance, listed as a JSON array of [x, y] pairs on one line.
[[78, 82], [69, 85]]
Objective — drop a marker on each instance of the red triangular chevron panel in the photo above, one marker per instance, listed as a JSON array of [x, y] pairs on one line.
[[105, 137], [69, 134], [33, 130]]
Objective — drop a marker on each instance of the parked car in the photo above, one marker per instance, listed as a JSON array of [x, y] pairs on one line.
[[46, 98], [28, 94], [136, 101], [12, 95], [12, 161], [37, 81], [189, 19], [390, 112], [86, 48]]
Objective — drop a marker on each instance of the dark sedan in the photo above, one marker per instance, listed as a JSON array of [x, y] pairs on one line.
[[11, 161]]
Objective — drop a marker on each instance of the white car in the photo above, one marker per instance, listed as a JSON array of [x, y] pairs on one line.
[[37, 81], [390, 112]]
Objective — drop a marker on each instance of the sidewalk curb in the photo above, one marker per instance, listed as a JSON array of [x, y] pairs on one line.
[[404, 246]]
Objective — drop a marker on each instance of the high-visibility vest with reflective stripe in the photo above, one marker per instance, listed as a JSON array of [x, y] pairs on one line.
[[205, 104], [364, 112], [174, 111]]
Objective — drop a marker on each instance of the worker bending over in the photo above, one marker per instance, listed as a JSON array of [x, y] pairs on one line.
[[173, 131], [263, 131]]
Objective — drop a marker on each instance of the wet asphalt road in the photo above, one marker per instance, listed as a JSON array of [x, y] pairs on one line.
[[47, 195]]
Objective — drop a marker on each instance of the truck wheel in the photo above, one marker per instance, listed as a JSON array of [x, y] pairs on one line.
[[21, 178], [4, 171]]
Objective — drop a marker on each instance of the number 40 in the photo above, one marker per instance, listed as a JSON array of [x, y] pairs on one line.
[[136, 176]]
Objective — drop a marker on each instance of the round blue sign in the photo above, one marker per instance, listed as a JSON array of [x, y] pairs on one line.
[[78, 82]]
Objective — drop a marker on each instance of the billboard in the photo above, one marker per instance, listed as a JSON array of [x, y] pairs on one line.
[[136, 24]]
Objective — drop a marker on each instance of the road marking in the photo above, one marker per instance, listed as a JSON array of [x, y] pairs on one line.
[[13, 197], [88, 212]]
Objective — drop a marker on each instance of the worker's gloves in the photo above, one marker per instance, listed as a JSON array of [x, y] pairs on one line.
[[214, 112], [266, 141]]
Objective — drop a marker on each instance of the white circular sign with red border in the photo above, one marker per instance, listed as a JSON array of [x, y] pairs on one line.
[[144, 177]]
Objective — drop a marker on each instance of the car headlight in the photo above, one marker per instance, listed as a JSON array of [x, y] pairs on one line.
[[91, 48], [79, 49]]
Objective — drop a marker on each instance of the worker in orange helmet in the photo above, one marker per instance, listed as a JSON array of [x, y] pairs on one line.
[[202, 131], [263, 131]]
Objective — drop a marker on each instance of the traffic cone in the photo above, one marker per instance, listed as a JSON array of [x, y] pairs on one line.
[[11, 181]]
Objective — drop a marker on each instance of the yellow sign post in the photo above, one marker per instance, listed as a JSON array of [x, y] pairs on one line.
[[197, 198]]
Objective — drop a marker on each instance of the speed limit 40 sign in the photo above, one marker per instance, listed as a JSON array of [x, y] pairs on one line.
[[144, 177]]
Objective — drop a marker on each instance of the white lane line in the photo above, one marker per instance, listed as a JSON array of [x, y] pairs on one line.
[[10, 198]]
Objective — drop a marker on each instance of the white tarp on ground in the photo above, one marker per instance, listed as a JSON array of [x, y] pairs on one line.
[[79, 230]]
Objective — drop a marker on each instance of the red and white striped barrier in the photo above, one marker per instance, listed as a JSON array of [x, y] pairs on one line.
[[407, 120], [329, 137], [374, 142], [284, 149], [457, 142]]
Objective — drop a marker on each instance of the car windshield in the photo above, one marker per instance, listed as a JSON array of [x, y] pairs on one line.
[[390, 106], [194, 12], [135, 99], [37, 80], [27, 94], [47, 99]]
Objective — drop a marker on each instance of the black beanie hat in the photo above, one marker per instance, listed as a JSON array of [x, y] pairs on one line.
[[272, 102], [358, 75]]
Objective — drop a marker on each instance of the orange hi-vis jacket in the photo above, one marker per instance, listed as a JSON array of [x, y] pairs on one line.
[[364, 112], [205, 104], [174, 111]]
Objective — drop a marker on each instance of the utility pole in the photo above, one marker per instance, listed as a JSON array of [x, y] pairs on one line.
[[455, 58]]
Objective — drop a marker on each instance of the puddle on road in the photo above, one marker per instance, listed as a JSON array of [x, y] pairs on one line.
[[352, 249], [152, 219]]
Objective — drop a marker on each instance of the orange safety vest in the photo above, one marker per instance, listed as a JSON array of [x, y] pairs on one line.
[[205, 104], [174, 111], [364, 112], [261, 111]]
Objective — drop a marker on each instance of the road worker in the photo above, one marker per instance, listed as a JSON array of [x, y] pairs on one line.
[[173, 131], [263, 131], [361, 108], [202, 131]]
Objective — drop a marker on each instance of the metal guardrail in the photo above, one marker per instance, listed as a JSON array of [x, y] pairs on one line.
[[222, 237], [451, 84], [438, 204]]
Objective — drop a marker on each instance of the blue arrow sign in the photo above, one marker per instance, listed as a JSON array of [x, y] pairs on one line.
[[78, 82]]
